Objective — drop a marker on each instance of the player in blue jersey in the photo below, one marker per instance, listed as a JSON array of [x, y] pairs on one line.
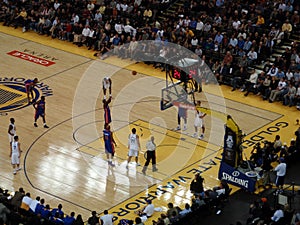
[[109, 144], [40, 111], [29, 85], [107, 116]]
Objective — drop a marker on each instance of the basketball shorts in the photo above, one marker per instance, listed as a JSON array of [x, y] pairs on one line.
[[15, 159], [133, 153]]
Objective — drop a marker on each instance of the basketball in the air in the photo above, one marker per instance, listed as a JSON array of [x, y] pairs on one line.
[[134, 72]]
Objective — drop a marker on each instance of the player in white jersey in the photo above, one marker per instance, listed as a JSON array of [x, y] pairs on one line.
[[11, 130], [133, 147], [106, 84], [15, 154], [199, 121]]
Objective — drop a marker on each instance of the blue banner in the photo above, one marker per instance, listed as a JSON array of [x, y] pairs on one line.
[[236, 177]]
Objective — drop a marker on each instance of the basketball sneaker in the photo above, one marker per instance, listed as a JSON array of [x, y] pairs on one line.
[[177, 128], [194, 135], [35, 125], [201, 136], [184, 127]]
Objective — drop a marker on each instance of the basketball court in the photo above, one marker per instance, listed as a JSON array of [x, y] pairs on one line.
[[66, 163]]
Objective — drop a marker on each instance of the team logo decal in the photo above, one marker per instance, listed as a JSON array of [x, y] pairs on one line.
[[13, 94], [235, 173], [31, 58]]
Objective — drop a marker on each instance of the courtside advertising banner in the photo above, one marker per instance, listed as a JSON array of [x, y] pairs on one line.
[[236, 178]]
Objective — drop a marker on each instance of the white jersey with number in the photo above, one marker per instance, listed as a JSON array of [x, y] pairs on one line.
[[106, 83], [133, 142], [15, 155], [12, 131], [15, 147]]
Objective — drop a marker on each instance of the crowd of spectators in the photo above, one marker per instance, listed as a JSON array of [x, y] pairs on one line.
[[229, 36], [19, 208]]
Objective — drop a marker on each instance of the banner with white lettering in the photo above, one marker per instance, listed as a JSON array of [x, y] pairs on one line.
[[230, 148], [232, 142], [236, 178]]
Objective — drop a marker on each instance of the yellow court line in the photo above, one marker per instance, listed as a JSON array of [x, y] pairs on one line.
[[95, 147]]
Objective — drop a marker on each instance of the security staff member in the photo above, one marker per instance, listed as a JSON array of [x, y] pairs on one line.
[[151, 147]]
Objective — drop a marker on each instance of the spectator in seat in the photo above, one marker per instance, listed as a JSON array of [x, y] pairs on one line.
[[94, 219], [26, 201], [131, 48], [228, 59], [40, 207], [260, 21], [289, 75], [280, 74], [174, 217], [255, 212], [148, 210], [288, 98], [172, 211], [84, 35], [77, 33], [34, 203], [239, 77], [243, 62], [279, 90], [273, 71], [287, 29], [4, 213], [247, 45], [17, 198], [222, 72], [260, 80], [106, 219], [147, 14], [278, 214], [45, 212], [233, 41], [69, 220], [266, 81], [163, 220], [45, 29], [273, 86], [252, 56], [251, 82], [56, 219], [58, 210], [78, 220], [223, 188], [186, 210]]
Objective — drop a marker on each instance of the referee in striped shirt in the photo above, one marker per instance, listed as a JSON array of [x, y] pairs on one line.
[[151, 147]]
